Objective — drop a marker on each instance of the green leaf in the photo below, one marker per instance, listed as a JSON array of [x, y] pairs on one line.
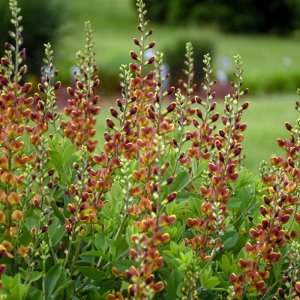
[[195, 206], [57, 212], [52, 279], [225, 264], [245, 178], [92, 273], [63, 287], [35, 295], [56, 231], [116, 193], [181, 180], [19, 292], [123, 264], [100, 242], [56, 159], [68, 152], [208, 281], [91, 253], [173, 283], [35, 275], [230, 239]]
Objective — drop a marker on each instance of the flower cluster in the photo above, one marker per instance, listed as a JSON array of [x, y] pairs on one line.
[[225, 149], [15, 114], [81, 108], [275, 230]]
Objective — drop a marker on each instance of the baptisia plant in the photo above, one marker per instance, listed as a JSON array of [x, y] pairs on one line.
[[164, 210]]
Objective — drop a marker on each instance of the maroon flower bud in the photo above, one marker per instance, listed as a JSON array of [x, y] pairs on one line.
[[224, 120], [196, 123], [2, 269], [151, 45], [41, 88], [62, 246], [172, 197], [281, 292], [136, 41], [23, 54], [199, 113], [237, 151], [175, 143], [44, 228], [218, 145], [171, 107], [150, 114], [26, 88], [134, 68], [212, 106], [151, 75], [57, 85], [149, 32], [170, 90], [221, 157], [113, 112], [245, 105], [263, 210], [119, 103], [7, 46], [133, 111], [5, 62], [50, 184], [50, 172], [23, 70], [288, 126], [151, 60], [133, 55], [107, 137], [110, 123], [70, 91], [246, 91], [215, 117]]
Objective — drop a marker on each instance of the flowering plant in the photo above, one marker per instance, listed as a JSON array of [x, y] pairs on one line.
[[164, 211]]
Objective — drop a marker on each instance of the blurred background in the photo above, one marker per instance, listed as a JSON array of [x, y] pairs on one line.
[[265, 33]]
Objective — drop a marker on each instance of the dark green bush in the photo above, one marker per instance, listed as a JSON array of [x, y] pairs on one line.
[[40, 21], [175, 52], [254, 16]]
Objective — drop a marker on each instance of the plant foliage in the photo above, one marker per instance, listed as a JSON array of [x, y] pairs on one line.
[[164, 211]]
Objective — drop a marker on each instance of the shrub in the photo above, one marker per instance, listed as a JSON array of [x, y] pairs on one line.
[[252, 16], [175, 52], [164, 211]]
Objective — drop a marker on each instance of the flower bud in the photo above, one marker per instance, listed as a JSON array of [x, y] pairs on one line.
[[151, 60], [113, 112], [133, 55], [136, 41], [110, 123], [171, 107]]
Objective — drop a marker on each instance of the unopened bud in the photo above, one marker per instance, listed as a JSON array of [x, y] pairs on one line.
[[113, 112]]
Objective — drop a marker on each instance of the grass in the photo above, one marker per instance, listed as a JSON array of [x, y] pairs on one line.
[[265, 118], [270, 61]]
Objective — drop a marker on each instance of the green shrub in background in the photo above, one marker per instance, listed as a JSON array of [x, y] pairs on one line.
[[41, 19], [255, 16], [175, 53]]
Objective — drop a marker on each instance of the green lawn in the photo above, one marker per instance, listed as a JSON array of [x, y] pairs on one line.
[[265, 118], [114, 24]]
